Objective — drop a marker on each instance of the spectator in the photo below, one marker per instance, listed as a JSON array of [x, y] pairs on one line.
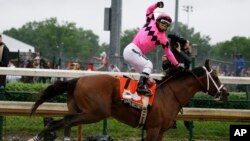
[[28, 56], [12, 78], [239, 64], [69, 63], [226, 70], [28, 79], [239, 69], [90, 67], [104, 61], [4, 60], [36, 65], [180, 48], [75, 66], [44, 65], [114, 68]]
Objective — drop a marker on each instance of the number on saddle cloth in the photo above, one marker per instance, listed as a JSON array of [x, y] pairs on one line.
[[129, 95]]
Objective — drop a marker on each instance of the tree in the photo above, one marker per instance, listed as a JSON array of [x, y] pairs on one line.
[[57, 40], [228, 49]]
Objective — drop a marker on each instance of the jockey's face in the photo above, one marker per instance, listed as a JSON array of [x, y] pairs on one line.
[[163, 26]]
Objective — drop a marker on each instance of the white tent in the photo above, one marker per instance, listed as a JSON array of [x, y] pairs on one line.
[[16, 45]]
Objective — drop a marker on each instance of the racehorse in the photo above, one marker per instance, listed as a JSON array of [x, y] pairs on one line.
[[96, 97]]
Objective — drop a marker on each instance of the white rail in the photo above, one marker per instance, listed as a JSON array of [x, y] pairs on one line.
[[74, 73], [16, 108]]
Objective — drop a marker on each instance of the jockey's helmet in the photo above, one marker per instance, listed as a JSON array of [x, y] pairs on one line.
[[163, 17]]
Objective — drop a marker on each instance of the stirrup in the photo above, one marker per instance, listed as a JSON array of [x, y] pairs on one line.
[[147, 94], [144, 91]]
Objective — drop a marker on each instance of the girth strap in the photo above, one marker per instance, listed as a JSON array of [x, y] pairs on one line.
[[127, 83], [144, 111]]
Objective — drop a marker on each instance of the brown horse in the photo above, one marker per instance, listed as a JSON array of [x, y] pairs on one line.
[[96, 97]]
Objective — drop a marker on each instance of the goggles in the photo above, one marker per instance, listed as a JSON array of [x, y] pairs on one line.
[[164, 21]]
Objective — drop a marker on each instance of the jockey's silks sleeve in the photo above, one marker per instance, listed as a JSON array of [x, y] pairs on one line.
[[149, 37]]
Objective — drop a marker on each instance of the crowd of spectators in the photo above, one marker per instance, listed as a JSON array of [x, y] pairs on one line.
[[36, 60]]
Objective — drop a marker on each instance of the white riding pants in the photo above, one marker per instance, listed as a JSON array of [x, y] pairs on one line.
[[134, 57]]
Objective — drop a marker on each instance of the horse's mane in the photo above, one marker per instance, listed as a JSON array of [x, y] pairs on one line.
[[199, 71]]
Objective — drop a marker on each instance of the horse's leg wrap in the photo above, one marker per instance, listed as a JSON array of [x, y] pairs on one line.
[[36, 138], [67, 131]]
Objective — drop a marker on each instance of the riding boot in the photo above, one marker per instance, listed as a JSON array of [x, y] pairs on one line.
[[142, 88]]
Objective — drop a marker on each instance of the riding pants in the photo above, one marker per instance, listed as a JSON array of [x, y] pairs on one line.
[[134, 57]]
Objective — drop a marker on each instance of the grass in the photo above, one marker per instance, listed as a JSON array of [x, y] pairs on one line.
[[203, 130]]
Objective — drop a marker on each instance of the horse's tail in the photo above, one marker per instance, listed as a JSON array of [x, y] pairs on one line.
[[58, 88]]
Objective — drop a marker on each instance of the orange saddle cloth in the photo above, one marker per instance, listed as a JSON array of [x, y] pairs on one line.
[[129, 95]]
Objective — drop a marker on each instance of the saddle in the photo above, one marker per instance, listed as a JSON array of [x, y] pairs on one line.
[[129, 95]]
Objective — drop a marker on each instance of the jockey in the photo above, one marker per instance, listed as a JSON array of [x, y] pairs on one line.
[[147, 39]]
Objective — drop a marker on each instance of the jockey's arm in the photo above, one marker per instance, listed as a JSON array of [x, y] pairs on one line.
[[149, 12], [170, 55]]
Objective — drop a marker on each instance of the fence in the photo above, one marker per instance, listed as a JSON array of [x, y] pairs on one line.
[[15, 108], [52, 109]]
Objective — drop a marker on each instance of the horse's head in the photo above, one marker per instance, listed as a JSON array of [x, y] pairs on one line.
[[214, 87]]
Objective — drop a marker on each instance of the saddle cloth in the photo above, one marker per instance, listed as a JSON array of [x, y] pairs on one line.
[[129, 95]]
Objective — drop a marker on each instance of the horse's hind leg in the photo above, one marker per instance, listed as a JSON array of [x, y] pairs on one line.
[[68, 121], [54, 125]]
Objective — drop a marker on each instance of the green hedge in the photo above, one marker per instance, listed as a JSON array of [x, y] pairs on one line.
[[27, 92], [30, 92], [236, 100]]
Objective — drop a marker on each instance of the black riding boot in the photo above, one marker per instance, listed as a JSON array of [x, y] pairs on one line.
[[142, 88]]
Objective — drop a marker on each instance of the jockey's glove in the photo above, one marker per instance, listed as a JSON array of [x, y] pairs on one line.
[[160, 4]]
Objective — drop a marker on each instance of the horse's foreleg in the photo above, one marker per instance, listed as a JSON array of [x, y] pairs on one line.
[[152, 134], [67, 131], [160, 136], [79, 132]]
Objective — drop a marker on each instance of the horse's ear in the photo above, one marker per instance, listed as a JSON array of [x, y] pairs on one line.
[[207, 64]]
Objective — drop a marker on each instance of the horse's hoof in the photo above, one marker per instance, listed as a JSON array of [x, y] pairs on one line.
[[66, 139], [34, 139]]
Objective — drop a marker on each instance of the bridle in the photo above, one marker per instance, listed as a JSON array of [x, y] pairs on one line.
[[219, 93], [209, 77]]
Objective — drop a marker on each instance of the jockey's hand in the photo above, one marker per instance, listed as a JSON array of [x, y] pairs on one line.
[[178, 67], [160, 4]]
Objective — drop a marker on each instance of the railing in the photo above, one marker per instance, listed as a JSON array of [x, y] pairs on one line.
[[59, 109], [15, 108], [74, 73]]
